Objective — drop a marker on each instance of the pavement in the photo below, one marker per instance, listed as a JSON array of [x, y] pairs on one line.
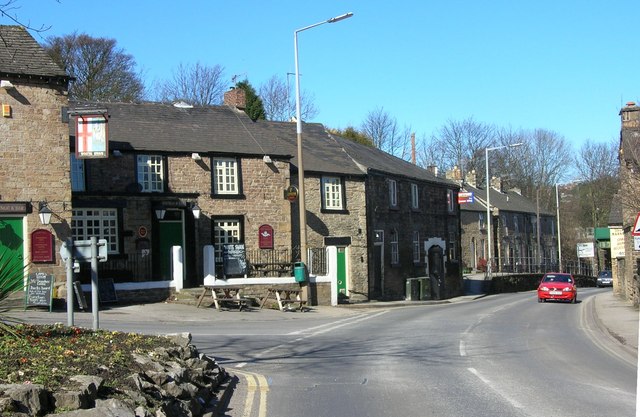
[[612, 318]]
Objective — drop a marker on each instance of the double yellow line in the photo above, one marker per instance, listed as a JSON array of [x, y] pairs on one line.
[[256, 384]]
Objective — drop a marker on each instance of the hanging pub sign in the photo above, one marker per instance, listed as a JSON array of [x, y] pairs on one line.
[[291, 193], [92, 138], [265, 237]]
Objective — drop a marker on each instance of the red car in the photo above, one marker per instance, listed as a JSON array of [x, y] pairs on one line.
[[557, 286]]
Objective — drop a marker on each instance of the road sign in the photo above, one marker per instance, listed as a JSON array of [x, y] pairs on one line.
[[82, 250], [636, 226]]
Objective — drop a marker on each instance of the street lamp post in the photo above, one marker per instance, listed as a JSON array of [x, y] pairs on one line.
[[488, 188], [301, 202]]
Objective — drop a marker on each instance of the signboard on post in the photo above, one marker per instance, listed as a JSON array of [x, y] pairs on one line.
[[82, 250], [585, 250], [616, 236]]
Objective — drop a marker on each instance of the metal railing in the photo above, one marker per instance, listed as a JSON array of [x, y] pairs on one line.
[[526, 265], [260, 263]]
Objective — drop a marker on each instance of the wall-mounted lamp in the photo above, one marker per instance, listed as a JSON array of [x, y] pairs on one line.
[[160, 211], [196, 156], [195, 209], [6, 84], [267, 159], [44, 212], [117, 153]]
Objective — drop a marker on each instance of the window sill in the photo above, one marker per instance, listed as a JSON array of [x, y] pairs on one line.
[[228, 196], [332, 211]]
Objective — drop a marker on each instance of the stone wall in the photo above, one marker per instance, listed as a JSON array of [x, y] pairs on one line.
[[34, 149], [431, 219]]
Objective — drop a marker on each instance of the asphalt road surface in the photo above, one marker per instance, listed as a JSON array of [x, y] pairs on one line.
[[503, 355]]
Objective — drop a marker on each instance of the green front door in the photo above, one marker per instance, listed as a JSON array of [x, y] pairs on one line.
[[170, 234], [342, 272], [12, 242]]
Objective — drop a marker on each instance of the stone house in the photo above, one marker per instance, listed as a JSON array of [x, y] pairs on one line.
[[514, 235], [413, 224], [34, 151], [626, 269]]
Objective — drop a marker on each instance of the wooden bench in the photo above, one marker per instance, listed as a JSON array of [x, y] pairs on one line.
[[286, 298], [223, 295]]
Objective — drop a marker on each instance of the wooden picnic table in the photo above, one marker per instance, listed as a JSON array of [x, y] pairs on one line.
[[280, 268], [223, 295], [286, 298]]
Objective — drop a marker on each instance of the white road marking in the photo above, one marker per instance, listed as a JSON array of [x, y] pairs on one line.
[[487, 382]]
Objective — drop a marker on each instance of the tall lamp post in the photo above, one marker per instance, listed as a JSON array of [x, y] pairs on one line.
[[301, 203], [488, 187]]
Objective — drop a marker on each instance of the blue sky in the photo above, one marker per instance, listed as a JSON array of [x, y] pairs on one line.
[[561, 65]]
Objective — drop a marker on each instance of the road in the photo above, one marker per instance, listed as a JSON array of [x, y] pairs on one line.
[[503, 355]]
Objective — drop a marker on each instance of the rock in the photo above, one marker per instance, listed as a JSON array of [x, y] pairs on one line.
[[32, 399], [180, 339]]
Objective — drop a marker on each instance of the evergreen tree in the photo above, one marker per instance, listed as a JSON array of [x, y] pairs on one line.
[[255, 107]]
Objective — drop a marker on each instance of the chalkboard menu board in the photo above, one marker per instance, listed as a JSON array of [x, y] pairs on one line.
[[234, 259], [107, 291], [39, 290]]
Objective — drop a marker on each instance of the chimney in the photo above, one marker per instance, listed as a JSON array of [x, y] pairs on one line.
[[470, 178], [630, 116], [433, 170], [235, 98], [454, 174], [496, 183]]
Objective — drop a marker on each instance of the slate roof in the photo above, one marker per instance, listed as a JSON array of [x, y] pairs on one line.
[[163, 127], [160, 127], [320, 152], [505, 201], [373, 159], [21, 55]]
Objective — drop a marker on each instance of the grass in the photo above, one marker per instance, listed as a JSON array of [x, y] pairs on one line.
[[51, 354]]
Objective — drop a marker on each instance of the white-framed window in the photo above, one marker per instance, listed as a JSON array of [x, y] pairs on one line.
[[151, 173], [415, 197], [332, 193], [482, 225], [416, 246], [225, 231], [393, 242], [99, 222], [77, 174], [393, 193], [225, 176]]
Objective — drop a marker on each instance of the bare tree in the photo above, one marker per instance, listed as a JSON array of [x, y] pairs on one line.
[[280, 102], [8, 9], [461, 143], [102, 71], [385, 133], [197, 84]]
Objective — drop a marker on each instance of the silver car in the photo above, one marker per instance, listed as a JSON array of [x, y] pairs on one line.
[[605, 279]]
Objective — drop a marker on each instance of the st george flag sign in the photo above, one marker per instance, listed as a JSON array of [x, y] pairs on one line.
[[92, 139]]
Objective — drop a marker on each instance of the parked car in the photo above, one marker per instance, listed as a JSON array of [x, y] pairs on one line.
[[605, 279], [557, 286]]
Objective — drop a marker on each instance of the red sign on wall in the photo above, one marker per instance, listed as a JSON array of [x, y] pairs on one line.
[[41, 246], [265, 237]]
